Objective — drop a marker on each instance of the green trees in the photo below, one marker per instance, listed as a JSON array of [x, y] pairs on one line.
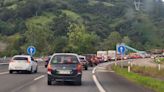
[[81, 41], [80, 26], [40, 37], [111, 41]]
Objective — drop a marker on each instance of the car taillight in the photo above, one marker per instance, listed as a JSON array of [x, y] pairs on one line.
[[28, 61], [11, 61], [79, 68], [49, 68]]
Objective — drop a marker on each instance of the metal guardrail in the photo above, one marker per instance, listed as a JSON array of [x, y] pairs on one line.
[[5, 60]]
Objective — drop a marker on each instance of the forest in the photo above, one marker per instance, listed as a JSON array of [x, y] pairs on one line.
[[79, 26]]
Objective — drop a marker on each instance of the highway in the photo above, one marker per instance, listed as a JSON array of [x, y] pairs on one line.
[[107, 81]]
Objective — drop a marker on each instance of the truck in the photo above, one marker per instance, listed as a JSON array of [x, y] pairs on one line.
[[102, 56], [111, 55]]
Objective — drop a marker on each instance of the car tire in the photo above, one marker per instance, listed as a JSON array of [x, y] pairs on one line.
[[49, 82], [30, 72], [36, 70], [78, 82], [86, 67], [10, 71]]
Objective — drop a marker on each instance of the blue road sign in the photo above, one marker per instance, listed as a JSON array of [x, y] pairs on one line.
[[121, 49], [31, 50]]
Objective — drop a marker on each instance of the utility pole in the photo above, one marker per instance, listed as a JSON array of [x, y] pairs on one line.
[[137, 4]]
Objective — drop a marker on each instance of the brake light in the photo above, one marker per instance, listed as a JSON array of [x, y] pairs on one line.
[[79, 68], [49, 68], [11, 61], [28, 61]]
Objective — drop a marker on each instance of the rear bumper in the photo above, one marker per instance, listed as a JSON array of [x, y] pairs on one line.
[[64, 78], [27, 68]]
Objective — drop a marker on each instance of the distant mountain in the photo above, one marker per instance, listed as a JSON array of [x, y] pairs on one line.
[[42, 22]]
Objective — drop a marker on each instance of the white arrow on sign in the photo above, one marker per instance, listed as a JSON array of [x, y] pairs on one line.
[[121, 48], [31, 50]]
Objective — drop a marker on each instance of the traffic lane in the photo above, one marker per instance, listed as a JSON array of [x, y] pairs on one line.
[[4, 67], [11, 82], [112, 82], [40, 85]]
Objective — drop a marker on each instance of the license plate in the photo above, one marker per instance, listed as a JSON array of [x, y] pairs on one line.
[[18, 67], [64, 72]]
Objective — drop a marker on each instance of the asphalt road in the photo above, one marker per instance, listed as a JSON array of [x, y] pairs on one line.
[[115, 83], [107, 80]]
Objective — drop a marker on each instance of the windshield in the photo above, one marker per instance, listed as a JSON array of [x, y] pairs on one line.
[[64, 59]]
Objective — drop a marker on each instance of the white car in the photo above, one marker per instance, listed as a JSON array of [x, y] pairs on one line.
[[23, 63]]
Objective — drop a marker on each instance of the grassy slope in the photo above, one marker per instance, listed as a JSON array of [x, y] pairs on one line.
[[72, 15], [152, 83], [42, 20]]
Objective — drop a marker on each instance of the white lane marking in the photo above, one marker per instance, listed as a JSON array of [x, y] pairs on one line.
[[101, 89], [4, 73], [103, 71], [39, 77], [93, 71]]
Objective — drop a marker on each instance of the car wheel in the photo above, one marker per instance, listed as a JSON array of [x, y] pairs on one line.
[[86, 68], [36, 70], [78, 82], [10, 71], [30, 72], [49, 82]]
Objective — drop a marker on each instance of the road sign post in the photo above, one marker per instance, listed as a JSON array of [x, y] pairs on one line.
[[31, 50], [121, 50]]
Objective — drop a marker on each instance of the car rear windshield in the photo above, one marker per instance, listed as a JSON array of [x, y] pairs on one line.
[[20, 58], [82, 59], [64, 59]]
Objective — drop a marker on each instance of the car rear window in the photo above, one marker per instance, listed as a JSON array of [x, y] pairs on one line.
[[82, 58], [64, 59], [20, 58]]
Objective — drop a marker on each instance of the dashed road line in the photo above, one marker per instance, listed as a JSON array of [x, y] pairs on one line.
[[2, 73], [39, 77], [93, 71]]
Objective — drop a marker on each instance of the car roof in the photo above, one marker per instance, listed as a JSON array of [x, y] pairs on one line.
[[74, 54], [65, 54], [81, 56], [22, 56]]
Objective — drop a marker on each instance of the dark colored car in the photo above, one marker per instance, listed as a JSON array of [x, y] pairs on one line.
[[84, 62], [64, 67], [89, 58]]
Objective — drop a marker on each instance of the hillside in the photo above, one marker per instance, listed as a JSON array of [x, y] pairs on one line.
[[81, 26]]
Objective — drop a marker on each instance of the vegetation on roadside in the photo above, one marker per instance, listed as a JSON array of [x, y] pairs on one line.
[[162, 60], [159, 60], [152, 83], [149, 71]]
